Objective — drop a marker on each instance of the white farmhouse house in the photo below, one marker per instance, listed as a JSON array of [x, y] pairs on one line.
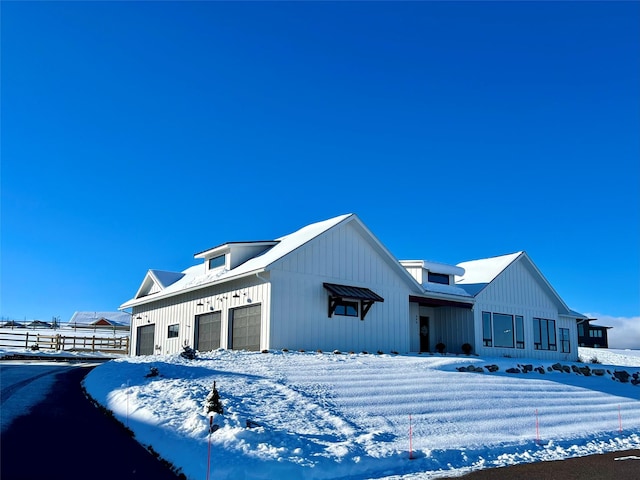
[[329, 286]]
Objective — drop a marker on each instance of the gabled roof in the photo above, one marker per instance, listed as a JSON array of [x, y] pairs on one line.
[[484, 271], [481, 273], [195, 277], [157, 280]]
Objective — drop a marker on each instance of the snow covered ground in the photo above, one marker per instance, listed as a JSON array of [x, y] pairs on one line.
[[367, 416]]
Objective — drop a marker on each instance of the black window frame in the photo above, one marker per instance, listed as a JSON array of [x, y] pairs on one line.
[[342, 308], [487, 330], [519, 325], [173, 330], [218, 261], [565, 340], [441, 278], [543, 335]]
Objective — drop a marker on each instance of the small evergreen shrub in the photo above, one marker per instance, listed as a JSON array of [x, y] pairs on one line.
[[466, 348], [440, 347], [213, 403]]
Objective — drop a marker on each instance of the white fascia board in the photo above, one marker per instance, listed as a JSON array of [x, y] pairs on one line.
[[445, 296], [546, 284], [434, 267], [149, 277], [134, 302]]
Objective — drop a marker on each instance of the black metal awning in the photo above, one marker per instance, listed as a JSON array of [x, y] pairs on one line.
[[341, 292]]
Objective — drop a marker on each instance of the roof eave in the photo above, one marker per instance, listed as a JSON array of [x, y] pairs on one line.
[[134, 302]]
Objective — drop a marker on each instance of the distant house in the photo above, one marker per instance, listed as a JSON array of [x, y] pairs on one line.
[[38, 324], [120, 320], [590, 335], [517, 312], [333, 285]]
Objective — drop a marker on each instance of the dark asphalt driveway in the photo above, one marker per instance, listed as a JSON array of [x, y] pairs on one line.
[[65, 436]]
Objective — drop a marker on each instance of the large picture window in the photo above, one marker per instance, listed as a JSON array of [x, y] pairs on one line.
[[544, 334], [503, 330]]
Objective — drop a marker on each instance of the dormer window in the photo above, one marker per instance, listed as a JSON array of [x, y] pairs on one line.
[[438, 278], [216, 262]]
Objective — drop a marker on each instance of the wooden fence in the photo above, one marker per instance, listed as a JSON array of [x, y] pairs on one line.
[[38, 341]]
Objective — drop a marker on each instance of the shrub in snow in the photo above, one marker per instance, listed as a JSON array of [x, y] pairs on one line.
[[188, 353], [466, 348], [440, 347], [35, 347], [153, 372], [212, 403]]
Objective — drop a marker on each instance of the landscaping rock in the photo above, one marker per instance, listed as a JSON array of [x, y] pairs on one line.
[[586, 371], [540, 370], [492, 368], [621, 375], [598, 371], [513, 370]]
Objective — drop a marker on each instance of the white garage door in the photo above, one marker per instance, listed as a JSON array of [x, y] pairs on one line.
[[246, 328]]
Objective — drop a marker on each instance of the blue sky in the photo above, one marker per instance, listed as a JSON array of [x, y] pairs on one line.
[[136, 134]]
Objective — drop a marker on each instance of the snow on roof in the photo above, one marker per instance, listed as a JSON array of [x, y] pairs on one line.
[[434, 267], [485, 270], [87, 318], [165, 278], [448, 289], [195, 277]]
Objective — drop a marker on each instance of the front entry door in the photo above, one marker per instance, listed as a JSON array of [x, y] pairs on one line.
[[424, 334]]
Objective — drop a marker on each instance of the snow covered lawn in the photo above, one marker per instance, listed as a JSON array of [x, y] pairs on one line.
[[367, 416]]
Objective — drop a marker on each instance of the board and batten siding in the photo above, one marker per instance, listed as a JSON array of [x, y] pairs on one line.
[[299, 316], [452, 326], [517, 292], [182, 310]]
